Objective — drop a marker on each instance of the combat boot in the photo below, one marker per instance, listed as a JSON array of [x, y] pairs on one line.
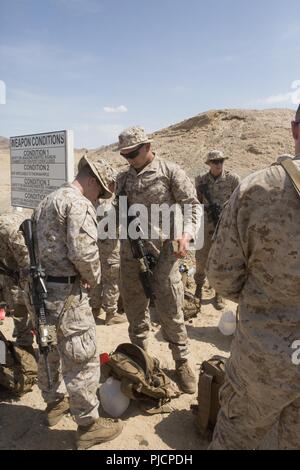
[[115, 319], [198, 296], [185, 376], [219, 302], [96, 312], [198, 292], [102, 430], [56, 410]]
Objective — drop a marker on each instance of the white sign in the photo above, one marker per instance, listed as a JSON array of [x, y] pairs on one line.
[[40, 163]]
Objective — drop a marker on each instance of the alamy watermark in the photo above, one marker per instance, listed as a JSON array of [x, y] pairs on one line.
[[296, 354], [152, 222], [2, 92]]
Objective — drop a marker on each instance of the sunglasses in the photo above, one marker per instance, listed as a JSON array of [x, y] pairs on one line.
[[217, 162], [132, 154]]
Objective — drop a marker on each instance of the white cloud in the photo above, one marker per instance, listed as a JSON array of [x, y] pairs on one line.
[[276, 99], [116, 109], [290, 97], [2, 92]]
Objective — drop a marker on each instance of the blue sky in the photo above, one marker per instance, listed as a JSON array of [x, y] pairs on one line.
[[98, 66]]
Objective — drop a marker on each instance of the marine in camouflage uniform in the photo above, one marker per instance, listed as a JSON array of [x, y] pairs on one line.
[[108, 291], [106, 294], [219, 184], [149, 181], [14, 257], [66, 230], [255, 261]]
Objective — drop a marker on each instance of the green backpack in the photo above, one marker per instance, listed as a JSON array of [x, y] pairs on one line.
[[141, 378], [211, 379], [18, 372]]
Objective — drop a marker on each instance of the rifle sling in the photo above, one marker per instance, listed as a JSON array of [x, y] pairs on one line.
[[293, 172], [4, 270], [70, 299]]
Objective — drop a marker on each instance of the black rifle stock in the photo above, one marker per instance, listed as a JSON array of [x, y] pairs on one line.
[[146, 263], [213, 208], [45, 333]]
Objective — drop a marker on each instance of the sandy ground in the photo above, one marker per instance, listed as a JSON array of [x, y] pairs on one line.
[[21, 421]]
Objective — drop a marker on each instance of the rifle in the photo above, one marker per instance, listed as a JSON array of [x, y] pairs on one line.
[[6, 271], [45, 333], [146, 261], [213, 208]]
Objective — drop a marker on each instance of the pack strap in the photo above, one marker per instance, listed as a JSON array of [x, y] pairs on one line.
[[293, 172], [221, 359], [205, 404]]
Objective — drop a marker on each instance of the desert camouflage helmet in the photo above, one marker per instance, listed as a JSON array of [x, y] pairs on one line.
[[214, 155], [132, 137], [102, 171]]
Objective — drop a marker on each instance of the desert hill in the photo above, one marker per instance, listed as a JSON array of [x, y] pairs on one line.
[[4, 143], [252, 139]]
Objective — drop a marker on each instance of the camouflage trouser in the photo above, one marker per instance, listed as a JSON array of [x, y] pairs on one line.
[[106, 294], [168, 289], [243, 421], [14, 297], [259, 391], [74, 362], [110, 293], [95, 295], [202, 255], [22, 326]]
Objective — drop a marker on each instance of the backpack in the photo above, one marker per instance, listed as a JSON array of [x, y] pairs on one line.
[[141, 378], [211, 378], [18, 368]]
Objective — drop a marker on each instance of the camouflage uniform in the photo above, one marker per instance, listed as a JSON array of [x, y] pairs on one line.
[[159, 182], [67, 245], [255, 261], [220, 190], [110, 266], [108, 290], [14, 255]]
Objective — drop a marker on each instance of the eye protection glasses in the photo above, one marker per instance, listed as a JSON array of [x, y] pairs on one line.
[[133, 154]]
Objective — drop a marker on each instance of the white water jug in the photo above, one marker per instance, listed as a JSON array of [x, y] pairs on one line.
[[227, 323], [113, 400]]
